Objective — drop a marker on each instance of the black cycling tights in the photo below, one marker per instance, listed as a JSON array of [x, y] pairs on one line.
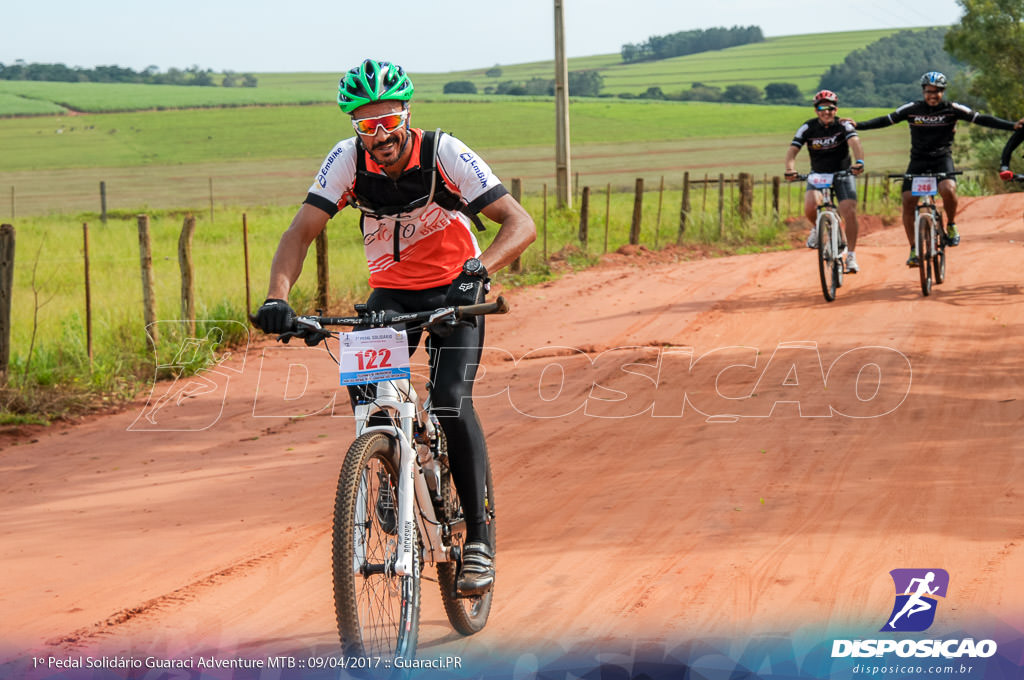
[[453, 364]]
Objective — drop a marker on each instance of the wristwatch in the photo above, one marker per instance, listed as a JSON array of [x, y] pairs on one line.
[[474, 267]]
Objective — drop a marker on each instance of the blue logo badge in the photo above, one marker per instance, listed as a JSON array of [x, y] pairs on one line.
[[917, 593]]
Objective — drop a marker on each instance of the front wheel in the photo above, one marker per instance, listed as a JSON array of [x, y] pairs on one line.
[[378, 611], [467, 615], [830, 259]]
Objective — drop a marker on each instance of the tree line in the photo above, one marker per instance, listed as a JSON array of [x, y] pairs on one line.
[[690, 42], [581, 84], [152, 75], [888, 71]]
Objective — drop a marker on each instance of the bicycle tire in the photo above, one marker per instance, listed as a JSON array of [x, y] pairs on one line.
[[939, 261], [925, 228], [468, 615], [377, 610], [827, 258]]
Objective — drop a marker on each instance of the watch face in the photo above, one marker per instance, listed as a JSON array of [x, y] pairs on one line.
[[472, 266]]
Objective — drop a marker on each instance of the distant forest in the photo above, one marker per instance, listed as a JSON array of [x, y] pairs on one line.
[[691, 42], [119, 74], [888, 72]]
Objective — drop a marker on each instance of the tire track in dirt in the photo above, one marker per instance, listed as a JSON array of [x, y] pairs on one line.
[[162, 605]]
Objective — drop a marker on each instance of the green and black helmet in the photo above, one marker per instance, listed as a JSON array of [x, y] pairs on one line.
[[373, 81]]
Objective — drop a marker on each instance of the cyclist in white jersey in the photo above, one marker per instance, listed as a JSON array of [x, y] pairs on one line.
[[419, 194]]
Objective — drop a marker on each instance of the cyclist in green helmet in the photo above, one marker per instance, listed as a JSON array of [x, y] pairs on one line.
[[419, 194]]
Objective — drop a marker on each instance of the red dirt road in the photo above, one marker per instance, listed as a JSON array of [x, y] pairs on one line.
[[818, 447]]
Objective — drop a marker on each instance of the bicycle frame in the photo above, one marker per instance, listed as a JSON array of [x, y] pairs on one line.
[[398, 400]]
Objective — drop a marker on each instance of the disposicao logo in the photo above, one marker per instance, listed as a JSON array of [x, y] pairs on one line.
[[917, 593]]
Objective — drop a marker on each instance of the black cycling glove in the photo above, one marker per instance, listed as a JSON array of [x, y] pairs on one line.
[[466, 289], [275, 316]]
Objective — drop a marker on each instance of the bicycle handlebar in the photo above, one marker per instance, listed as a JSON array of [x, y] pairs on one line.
[[312, 328], [800, 177], [937, 175]]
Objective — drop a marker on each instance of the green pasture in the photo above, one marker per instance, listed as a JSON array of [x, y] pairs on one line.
[[796, 59], [146, 138], [163, 160]]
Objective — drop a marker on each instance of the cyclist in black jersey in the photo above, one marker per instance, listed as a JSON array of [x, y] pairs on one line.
[[932, 124], [829, 143], [1011, 144]]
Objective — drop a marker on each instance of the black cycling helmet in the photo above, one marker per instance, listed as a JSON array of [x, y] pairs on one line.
[[935, 79]]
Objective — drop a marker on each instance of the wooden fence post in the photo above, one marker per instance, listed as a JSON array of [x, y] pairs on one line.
[[148, 286], [746, 207], [584, 234], [776, 186], [684, 207], [721, 205], [245, 252], [545, 226], [657, 221], [103, 202], [864, 200], [638, 212], [88, 292], [6, 294], [323, 267], [607, 213], [517, 193], [188, 275]]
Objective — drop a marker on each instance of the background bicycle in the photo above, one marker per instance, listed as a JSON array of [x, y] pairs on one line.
[[929, 236], [831, 238]]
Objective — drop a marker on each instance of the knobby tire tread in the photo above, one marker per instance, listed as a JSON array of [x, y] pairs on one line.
[[367, 447]]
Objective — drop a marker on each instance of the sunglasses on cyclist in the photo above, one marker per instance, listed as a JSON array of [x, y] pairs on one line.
[[825, 108], [389, 122], [932, 91]]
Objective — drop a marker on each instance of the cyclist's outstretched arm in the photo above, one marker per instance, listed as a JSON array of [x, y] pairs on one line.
[[988, 121]]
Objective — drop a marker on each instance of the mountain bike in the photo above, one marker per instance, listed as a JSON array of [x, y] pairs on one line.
[[929, 235], [831, 235], [396, 508]]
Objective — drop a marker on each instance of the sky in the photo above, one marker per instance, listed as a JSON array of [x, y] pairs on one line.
[[430, 36]]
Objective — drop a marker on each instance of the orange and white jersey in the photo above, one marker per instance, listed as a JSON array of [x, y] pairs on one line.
[[425, 247]]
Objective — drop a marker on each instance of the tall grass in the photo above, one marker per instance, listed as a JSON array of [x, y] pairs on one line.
[[51, 372]]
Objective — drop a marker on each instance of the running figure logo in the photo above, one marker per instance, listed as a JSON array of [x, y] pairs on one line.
[[916, 598]]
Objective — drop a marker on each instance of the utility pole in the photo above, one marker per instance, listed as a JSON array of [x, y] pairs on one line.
[[562, 173]]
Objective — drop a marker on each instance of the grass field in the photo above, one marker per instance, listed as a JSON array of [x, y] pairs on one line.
[[267, 155], [795, 59], [232, 155]]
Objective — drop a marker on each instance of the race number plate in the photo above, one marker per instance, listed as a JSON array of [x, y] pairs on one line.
[[374, 355], [820, 180], [924, 186]]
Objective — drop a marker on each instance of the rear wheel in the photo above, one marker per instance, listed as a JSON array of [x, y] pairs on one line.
[[925, 235], [830, 261], [939, 262], [467, 615], [378, 610]]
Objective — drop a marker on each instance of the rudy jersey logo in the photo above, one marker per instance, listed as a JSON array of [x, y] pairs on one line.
[[917, 593]]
